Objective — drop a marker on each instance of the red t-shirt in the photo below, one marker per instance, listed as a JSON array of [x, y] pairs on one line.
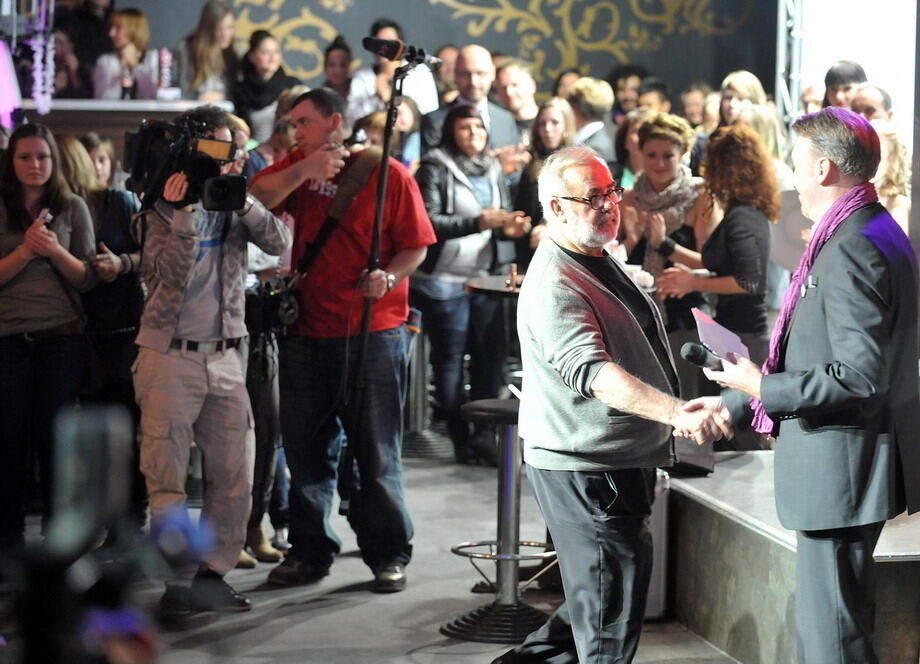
[[330, 302]]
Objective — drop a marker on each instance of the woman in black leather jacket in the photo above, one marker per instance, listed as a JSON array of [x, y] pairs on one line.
[[467, 198]]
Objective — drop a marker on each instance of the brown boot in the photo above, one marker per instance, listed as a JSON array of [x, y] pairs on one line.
[[245, 561], [261, 549]]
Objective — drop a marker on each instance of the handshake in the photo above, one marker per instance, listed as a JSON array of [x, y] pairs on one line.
[[705, 419]]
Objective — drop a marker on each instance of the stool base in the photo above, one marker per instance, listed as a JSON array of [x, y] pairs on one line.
[[427, 444], [495, 623]]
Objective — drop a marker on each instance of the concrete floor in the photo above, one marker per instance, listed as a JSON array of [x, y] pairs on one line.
[[339, 621]]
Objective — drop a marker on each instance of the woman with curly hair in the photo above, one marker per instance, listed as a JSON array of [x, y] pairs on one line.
[[668, 199], [741, 180]]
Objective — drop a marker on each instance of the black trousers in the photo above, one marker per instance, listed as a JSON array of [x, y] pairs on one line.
[[599, 524]]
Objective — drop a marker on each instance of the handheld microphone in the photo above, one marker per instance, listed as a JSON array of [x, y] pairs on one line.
[[700, 356], [393, 49]]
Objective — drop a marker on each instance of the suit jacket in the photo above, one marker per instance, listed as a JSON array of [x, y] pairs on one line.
[[846, 391], [601, 142], [503, 130]]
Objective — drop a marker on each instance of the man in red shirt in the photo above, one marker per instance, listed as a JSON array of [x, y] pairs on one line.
[[318, 355]]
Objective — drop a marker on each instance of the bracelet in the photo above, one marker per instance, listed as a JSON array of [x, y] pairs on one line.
[[127, 263], [666, 248]]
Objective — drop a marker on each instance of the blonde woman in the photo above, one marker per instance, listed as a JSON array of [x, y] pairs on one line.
[[892, 180], [132, 70], [739, 91], [206, 64]]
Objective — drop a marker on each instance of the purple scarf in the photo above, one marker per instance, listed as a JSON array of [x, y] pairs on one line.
[[857, 197]]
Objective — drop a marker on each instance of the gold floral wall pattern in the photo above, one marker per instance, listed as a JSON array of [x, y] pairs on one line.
[[554, 35]]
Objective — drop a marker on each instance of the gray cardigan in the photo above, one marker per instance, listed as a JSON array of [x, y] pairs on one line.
[[171, 246], [570, 325]]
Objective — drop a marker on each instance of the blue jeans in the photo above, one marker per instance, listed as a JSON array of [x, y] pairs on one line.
[[279, 509], [37, 379], [469, 323], [313, 428]]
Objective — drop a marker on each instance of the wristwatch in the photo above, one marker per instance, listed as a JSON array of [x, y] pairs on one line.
[[247, 206], [391, 281]]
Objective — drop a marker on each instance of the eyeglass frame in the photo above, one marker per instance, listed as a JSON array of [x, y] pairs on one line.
[[619, 191]]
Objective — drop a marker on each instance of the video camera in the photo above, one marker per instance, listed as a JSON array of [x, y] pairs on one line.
[[159, 149]]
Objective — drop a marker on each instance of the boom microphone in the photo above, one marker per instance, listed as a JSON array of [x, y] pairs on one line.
[[393, 49], [700, 356]]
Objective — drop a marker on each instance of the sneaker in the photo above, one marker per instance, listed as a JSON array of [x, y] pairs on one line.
[[390, 579], [210, 592], [293, 572], [280, 540], [175, 602]]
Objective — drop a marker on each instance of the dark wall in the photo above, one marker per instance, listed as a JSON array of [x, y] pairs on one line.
[[680, 40]]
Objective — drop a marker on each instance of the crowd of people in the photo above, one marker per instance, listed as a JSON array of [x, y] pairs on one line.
[[166, 311]]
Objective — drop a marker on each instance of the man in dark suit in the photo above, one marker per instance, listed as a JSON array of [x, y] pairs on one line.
[[474, 73], [591, 101], [839, 389]]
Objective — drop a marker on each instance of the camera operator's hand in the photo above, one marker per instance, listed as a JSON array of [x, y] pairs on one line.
[[324, 163], [175, 189]]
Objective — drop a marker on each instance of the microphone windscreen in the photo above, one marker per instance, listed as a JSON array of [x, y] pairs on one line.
[[391, 49], [700, 356]]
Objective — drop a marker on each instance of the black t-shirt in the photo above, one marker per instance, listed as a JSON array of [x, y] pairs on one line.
[[618, 282], [740, 247]]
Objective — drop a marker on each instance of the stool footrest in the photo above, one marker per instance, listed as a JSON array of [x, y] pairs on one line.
[[462, 550], [495, 623]]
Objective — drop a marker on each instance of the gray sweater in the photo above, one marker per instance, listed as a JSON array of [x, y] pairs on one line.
[[570, 325]]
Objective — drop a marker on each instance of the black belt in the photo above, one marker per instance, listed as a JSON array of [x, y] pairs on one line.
[[57, 331], [205, 346]]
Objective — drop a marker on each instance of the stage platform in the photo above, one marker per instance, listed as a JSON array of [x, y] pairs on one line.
[[732, 567]]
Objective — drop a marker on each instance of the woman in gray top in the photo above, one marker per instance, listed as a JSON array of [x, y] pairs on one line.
[[46, 241], [467, 199]]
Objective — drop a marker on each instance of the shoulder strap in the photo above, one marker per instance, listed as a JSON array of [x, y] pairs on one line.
[[351, 183], [354, 180]]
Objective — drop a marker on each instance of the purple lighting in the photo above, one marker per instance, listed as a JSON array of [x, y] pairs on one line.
[[10, 98]]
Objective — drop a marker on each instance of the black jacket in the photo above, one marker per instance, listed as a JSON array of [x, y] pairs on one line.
[[440, 188]]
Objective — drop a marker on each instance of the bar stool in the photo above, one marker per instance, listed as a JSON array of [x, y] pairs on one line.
[[506, 620]]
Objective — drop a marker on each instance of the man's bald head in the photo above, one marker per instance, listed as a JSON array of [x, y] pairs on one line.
[[474, 72]]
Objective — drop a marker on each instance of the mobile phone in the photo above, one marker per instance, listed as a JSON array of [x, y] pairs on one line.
[[47, 218]]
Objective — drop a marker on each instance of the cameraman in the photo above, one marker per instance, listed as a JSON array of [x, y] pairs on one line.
[[190, 377]]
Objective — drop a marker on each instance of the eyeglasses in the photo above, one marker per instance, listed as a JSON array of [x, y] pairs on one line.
[[596, 201]]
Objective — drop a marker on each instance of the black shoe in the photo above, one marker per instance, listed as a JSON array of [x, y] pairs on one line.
[[483, 448], [509, 657], [210, 592], [390, 579], [175, 602], [293, 572]]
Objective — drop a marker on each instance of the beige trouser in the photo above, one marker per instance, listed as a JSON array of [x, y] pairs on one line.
[[187, 396]]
